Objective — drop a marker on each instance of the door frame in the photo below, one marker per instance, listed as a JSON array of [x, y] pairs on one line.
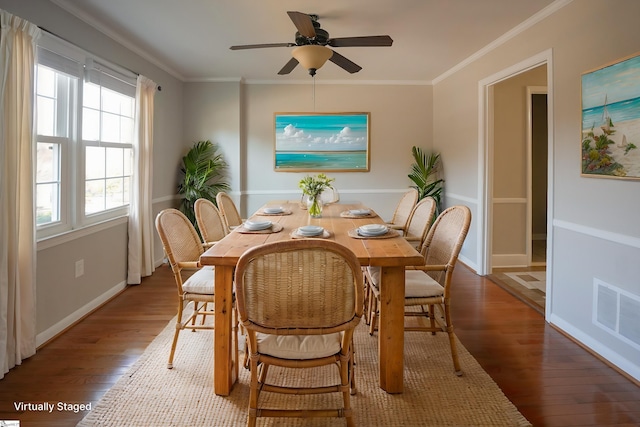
[[485, 160]]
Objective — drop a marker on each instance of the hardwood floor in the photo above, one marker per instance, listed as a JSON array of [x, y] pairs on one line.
[[552, 380]]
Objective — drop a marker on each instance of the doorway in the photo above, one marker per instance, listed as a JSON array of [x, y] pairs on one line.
[[537, 160], [510, 240]]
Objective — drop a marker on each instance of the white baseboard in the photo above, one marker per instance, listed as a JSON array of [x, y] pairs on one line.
[[54, 330], [466, 261], [615, 359], [509, 260]]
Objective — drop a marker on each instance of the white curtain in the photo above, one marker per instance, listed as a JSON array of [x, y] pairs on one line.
[[140, 258], [17, 191]]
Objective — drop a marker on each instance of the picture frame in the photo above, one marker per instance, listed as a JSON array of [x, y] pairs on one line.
[[610, 102], [322, 142]]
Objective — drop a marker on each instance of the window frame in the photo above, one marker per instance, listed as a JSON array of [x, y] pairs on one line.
[[68, 59]]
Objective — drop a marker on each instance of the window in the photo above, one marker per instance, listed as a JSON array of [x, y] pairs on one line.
[[85, 135], [107, 139]]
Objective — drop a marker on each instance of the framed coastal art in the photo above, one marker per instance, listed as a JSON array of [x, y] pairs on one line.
[[611, 120], [322, 142]]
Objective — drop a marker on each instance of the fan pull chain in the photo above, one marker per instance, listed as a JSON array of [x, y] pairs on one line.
[[314, 93]]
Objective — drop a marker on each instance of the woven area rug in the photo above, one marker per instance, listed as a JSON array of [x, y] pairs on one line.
[[152, 395]]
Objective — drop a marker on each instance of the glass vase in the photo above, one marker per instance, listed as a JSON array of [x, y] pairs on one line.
[[314, 206]]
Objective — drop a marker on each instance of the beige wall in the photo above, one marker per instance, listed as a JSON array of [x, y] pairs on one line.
[[401, 116], [595, 234]]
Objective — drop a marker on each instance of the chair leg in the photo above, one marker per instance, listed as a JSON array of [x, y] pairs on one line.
[[452, 341], [195, 314], [352, 372], [175, 336], [204, 314], [373, 303], [346, 397], [432, 318], [253, 394]]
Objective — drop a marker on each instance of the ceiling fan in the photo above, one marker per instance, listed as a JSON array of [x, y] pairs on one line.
[[311, 43]]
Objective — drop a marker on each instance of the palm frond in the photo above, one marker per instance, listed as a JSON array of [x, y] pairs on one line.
[[423, 173], [203, 173]]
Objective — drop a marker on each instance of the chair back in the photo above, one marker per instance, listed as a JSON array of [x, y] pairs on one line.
[[444, 242], [228, 210], [330, 195], [180, 241], [420, 219], [210, 221], [403, 209], [299, 287]]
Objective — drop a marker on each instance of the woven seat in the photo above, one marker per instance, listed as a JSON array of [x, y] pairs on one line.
[[210, 222], [400, 218], [428, 287], [183, 249], [228, 210], [299, 301]]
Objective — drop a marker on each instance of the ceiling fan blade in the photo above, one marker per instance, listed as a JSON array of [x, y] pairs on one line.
[[303, 23], [361, 41], [256, 46], [345, 63], [289, 66]]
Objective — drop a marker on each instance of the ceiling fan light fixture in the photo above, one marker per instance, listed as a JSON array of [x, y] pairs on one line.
[[312, 57]]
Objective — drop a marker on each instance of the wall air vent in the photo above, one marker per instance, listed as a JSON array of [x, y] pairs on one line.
[[617, 312]]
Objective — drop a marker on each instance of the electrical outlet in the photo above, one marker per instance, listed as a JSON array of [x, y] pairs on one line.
[[79, 268]]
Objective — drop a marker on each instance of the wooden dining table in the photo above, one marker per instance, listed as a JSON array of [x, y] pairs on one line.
[[392, 254]]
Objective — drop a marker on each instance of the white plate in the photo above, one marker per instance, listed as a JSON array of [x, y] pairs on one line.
[[273, 210], [360, 211], [372, 230], [257, 225], [310, 230]]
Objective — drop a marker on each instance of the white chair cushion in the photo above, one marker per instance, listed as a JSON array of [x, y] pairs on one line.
[[419, 284], [374, 273], [200, 282], [299, 346]]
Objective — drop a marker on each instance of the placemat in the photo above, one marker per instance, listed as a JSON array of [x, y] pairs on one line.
[[284, 212], [275, 228], [347, 214], [391, 233]]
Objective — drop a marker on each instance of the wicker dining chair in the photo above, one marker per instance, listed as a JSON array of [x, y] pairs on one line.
[[400, 217], [418, 226], [228, 210], [210, 222], [428, 287], [420, 221], [183, 248], [299, 301]]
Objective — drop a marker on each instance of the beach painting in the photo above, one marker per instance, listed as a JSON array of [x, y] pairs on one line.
[[320, 142], [611, 120]]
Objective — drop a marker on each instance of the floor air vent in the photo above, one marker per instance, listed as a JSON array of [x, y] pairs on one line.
[[617, 312]]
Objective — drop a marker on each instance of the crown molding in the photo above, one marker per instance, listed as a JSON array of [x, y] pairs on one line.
[[65, 5], [533, 20]]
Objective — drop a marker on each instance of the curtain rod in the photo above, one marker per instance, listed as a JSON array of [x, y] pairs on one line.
[[73, 44]]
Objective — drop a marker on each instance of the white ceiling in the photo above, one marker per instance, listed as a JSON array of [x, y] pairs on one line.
[[190, 39]]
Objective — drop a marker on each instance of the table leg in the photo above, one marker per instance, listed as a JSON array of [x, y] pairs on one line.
[[225, 366], [391, 329]]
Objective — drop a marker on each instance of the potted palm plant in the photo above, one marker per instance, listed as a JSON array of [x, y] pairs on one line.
[[202, 176], [424, 174]]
